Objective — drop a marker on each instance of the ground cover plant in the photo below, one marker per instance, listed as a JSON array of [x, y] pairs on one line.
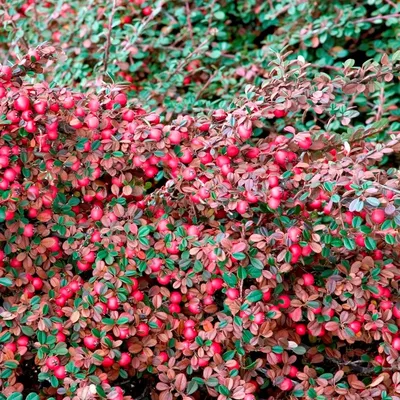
[[247, 251], [195, 55]]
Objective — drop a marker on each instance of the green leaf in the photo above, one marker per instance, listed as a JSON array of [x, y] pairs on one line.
[[373, 289], [242, 273], [5, 337], [100, 391], [300, 350], [389, 239], [223, 390], [393, 328], [12, 364], [373, 201], [312, 393], [239, 256], [370, 243], [229, 355], [143, 231], [27, 330], [328, 186], [54, 381], [237, 320], [356, 205], [7, 282], [230, 279], [277, 349], [192, 387], [253, 272], [350, 244], [254, 296], [256, 263], [74, 201], [41, 337], [357, 221], [15, 396], [212, 382], [247, 336], [32, 396], [219, 15], [198, 266], [122, 320], [199, 341]]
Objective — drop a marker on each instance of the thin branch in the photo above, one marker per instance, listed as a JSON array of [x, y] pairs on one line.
[[381, 103], [391, 3], [384, 187], [326, 67], [211, 13], [108, 43], [187, 59], [372, 19], [378, 75], [189, 22], [206, 85], [143, 25]]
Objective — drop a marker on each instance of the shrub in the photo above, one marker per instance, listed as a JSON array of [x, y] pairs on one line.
[[229, 255], [188, 55]]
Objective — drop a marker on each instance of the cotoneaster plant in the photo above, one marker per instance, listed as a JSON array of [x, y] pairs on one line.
[[181, 55], [222, 256]]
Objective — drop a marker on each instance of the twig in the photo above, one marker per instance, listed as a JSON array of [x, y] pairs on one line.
[[326, 67], [373, 76], [206, 85], [371, 19], [108, 43], [381, 101], [143, 25], [186, 59], [391, 3], [225, 55], [189, 22], [384, 186], [286, 8], [210, 19]]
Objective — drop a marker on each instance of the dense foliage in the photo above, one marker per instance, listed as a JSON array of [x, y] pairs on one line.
[[246, 251], [183, 55]]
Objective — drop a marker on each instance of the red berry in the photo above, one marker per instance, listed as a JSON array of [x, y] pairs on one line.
[[232, 294], [52, 362], [147, 11], [113, 303], [125, 360], [60, 372], [216, 348], [378, 216], [396, 343], [283, 301], [280, 113], [176, 297], [90, 342], [294, 234], [142, 329], [355, 326], [286, 385], [23, 341], [107, 362], [37, 283], [22, 103], [308, 279], [96, 214]]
